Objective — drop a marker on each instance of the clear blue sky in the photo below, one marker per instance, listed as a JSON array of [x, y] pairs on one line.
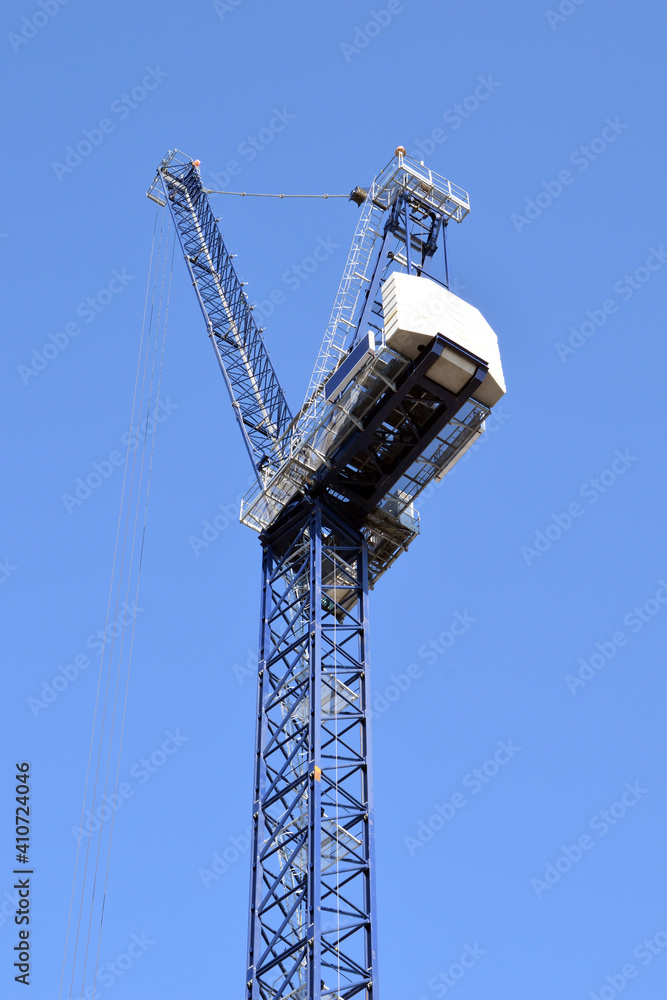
[[554, 122]]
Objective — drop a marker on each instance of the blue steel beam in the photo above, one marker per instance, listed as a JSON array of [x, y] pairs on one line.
[[312, 928]]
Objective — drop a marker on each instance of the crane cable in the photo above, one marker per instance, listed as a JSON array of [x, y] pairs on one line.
[[136, 595], [127, 596], [136, 504], [106, 622], [112, 649], [253, 194], [125, 506]]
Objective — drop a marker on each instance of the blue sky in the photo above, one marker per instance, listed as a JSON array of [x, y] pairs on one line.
[[519, 775]]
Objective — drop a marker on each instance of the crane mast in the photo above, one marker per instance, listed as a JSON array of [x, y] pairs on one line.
[[404, 379]]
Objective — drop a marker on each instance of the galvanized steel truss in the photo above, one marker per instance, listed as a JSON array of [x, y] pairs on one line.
[[312, 901]]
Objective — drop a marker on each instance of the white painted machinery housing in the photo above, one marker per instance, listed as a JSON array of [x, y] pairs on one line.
[[416, 309]]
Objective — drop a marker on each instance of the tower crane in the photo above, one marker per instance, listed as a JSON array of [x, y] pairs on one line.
[[406, 375]]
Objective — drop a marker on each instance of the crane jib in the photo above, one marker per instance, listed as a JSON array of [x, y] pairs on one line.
[[257, 396]]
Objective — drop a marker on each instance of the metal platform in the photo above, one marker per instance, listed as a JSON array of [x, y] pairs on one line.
[[391, 413], [406, 418]]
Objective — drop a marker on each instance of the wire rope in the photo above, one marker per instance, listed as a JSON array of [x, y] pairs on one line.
[[125, 507], [136, 601], [111, 582], [118, 591], [254, 194], [127, 594]]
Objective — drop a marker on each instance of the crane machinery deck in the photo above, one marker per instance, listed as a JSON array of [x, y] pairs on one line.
[[404, 380]]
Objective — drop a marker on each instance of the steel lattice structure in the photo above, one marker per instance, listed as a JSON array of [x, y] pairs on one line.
[[427, 203], [257, 396], [334, 508], [312, 897]]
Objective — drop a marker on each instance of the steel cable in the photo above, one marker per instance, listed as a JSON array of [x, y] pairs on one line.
[[127, 594], [136, 600], [125, 506], [254, 194]]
